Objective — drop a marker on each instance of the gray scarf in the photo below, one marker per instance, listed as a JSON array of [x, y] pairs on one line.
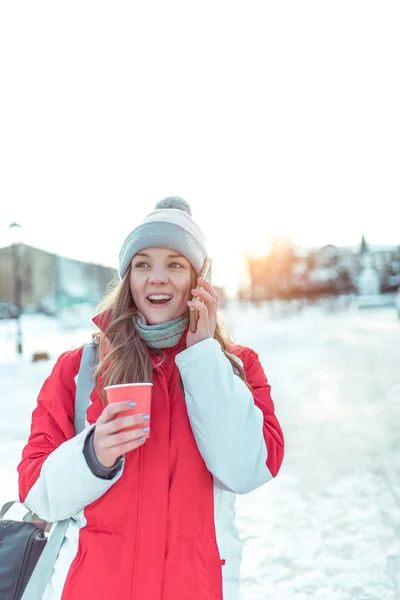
[[163, 335]]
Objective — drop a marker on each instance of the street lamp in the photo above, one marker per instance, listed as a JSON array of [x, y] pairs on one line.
[[16, 267]]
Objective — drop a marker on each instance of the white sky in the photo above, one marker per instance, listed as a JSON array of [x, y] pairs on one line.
[[270, 118]]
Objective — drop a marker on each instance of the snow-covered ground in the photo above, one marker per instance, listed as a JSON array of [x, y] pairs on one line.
[[328, 526]]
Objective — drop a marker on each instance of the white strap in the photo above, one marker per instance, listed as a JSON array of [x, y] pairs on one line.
[[84, 386], [44, 567]]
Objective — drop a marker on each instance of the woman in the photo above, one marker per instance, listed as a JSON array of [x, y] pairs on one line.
[[154, 518]]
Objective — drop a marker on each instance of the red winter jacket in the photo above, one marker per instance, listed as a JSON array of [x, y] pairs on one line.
[[163, 528]]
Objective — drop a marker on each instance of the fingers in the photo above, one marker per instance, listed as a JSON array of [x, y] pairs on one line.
[[117, 434], [118, 440], [124, 448], [205, 301], [124, 422], [111, 410], [206, 296], [203, 283], [107, 455], [200, 306]]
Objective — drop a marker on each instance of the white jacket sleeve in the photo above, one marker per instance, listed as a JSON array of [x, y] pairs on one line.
[[227, 425], [66, 484]]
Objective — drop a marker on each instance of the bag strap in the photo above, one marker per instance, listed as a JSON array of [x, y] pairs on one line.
[[6, 507], [43, 569], [84, 386], [44, 566]]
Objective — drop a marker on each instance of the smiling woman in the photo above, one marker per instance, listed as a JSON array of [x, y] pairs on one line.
[[152, 495]]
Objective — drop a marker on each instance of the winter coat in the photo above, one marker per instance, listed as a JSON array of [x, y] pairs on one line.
[[164, 527]]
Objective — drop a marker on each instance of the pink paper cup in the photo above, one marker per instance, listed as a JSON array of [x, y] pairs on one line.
[[132, 392]]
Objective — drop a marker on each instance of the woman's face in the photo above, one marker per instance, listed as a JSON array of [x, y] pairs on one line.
[[160, 272]]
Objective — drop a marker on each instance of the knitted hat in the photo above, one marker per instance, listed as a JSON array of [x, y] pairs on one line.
[[170, 225]]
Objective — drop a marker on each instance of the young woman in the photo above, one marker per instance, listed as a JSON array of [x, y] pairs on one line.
[[153, 519]]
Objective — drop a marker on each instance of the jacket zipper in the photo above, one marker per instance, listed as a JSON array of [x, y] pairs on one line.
[[138, 514]]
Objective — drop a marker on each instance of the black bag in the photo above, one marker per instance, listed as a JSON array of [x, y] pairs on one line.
[[23, 543]]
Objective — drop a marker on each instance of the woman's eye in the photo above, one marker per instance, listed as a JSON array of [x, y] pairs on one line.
[[142, 264]]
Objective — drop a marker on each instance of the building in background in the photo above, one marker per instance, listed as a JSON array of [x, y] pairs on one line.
[[288, 273], [50, 282]]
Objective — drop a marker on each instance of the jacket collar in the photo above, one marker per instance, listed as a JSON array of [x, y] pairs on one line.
[[102, 320]]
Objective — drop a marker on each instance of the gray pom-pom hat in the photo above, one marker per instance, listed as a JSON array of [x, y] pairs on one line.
[[170, 225]]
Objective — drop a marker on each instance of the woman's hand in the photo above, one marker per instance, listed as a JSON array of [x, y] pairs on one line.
[[207, 320], [109, 442]]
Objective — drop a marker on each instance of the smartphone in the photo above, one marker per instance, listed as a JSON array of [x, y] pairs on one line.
[[205, 273]]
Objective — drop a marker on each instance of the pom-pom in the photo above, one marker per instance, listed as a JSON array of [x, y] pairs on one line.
[[174, 202]]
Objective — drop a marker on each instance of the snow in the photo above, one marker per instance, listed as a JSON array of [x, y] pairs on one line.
[[328, 527]]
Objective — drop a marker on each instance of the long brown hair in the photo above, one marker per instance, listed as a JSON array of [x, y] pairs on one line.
[[123, 356]]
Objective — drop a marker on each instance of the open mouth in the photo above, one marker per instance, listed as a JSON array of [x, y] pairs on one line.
[[159, 299]]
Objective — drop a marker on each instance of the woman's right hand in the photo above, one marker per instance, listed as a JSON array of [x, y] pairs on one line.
[[109, 442]]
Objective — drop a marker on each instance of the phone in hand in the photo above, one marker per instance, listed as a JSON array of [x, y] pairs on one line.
[[205, 273]]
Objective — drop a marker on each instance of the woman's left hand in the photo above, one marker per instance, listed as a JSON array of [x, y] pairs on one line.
[[207, 320]]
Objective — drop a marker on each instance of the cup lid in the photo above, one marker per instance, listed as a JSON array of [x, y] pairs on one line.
[[120, 385]]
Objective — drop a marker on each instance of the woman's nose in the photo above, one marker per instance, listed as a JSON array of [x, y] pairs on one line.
[[158, 278]]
